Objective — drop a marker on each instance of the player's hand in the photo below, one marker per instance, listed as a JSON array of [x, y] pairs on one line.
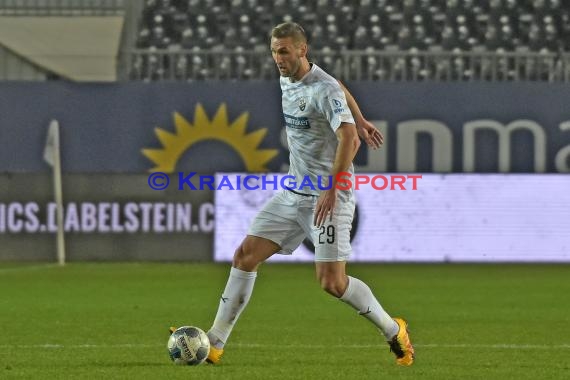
[[325, 206], [370, 134]]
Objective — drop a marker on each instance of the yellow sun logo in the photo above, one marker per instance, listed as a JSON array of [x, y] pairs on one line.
[[234, 135]]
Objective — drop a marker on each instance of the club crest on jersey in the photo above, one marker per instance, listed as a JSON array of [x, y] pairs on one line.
[[302, 104]]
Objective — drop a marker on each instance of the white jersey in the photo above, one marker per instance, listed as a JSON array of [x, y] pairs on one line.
[[313, 108]]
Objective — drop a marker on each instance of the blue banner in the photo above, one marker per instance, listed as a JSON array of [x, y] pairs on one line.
[[211, 127]]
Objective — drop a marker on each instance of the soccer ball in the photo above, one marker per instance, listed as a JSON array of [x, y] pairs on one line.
[[188, 345]]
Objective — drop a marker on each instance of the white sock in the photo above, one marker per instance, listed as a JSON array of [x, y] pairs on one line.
[[359, 296], [234, 299]]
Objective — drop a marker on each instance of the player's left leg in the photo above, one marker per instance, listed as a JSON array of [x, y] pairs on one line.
[[333, 279], [332, 249]]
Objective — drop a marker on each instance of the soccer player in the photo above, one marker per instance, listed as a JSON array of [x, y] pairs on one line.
[[323, 139]]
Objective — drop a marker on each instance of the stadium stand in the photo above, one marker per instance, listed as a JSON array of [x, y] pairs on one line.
[[392, 40], [61, 7], [386, 40], [74, 40]]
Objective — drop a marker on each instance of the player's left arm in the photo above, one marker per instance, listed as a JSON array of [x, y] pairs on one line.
[[348, 144], [366, 130]]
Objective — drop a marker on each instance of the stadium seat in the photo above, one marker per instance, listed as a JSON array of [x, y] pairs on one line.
[[337, 27]]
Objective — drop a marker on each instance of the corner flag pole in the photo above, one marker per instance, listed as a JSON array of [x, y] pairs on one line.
[[52, 157]]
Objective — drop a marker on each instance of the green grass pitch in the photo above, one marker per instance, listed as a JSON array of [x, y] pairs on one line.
[[110, 321]]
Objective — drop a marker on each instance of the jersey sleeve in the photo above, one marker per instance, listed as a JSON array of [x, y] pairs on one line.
[[334, 106]]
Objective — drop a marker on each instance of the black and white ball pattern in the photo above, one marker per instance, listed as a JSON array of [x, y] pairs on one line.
[[188, 345]]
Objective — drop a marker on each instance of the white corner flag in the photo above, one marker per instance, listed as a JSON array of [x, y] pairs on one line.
[[52, 157]]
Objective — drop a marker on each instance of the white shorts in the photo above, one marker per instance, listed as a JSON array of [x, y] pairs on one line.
[[288, 218]]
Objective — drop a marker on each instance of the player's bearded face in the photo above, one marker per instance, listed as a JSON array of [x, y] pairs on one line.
[[286, 56], [291, 69]]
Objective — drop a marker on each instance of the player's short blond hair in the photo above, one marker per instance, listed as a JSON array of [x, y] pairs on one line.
[[290, 29]]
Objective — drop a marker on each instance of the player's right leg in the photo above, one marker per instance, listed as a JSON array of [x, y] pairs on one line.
[[251, 252], [274, 229]]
